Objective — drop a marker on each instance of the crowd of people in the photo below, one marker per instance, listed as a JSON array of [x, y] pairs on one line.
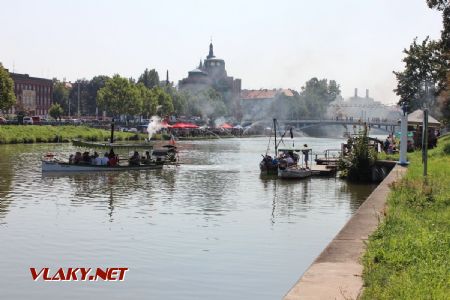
[[288, 158], [108, 159]]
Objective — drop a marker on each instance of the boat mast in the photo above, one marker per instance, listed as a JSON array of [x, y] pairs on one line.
[[112, 132], [275, 129]]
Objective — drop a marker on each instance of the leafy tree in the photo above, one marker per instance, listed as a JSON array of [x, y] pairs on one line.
[[81, 85], [444, 6], [358, 165], [149, 78], [7, 96], [423, 77], [444, 97], [119, 97], [207, 103], [55, 111], [179, 99], [317, 95], [165, 105], [149, 100], [90, 103], [61, 94]]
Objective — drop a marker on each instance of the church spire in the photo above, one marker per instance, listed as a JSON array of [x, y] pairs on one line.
[[211, 51]]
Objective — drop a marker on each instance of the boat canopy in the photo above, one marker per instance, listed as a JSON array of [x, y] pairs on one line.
[[287, 149]]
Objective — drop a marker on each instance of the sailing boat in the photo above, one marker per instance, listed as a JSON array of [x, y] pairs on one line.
[[269, 164]]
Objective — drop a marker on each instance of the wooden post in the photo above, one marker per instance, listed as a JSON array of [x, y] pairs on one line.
[[425, 142]]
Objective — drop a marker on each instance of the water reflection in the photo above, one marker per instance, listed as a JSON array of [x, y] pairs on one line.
[[187, 232]]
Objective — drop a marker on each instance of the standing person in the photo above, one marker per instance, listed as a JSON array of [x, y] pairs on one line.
[[306, 154]]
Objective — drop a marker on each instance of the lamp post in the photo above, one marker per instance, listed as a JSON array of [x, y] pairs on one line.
[[404, 135], [78, 85]]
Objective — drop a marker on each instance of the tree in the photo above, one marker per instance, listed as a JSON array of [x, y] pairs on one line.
[[207, 103], [444, 97], [165, 105], [423, 77], [179, 99], [7, 96], [55, 111], [444, 6], [149, 78], [61, 94], [149, 100], [119, 97], [317, 95], [90, 103]]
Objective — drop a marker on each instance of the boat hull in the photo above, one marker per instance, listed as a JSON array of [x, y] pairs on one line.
[[53, 166], [268, 168], [294, 173]]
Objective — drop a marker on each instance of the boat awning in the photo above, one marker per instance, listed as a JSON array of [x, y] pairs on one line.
[[287, 149]]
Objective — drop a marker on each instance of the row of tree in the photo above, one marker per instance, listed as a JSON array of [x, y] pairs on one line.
[[311, 102], [123, 96], [425, 80]]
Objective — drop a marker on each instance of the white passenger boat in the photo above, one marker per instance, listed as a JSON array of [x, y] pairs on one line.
[[294, 163], [156, 160], [58, 166]]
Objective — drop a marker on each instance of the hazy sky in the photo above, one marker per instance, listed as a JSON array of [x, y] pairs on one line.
[[268, 44]]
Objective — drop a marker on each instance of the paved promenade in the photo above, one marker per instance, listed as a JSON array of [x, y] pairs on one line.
[[337, 272]]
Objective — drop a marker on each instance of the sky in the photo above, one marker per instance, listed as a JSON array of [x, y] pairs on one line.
[[268, 44]]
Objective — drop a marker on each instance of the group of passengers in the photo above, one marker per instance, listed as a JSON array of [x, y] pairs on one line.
[[136, 159], [287, 158], [108, 159]]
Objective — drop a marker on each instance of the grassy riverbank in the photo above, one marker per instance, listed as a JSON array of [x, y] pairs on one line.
[[18, 134], [408, 257]]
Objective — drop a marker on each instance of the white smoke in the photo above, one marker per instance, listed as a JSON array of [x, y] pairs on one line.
[[153, 126]]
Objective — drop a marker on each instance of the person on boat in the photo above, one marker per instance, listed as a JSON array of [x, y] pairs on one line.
[[77, 159], [290, 160], [147, 158], [71, 159], [111, 154], [112, 162], [306, 155], [97, 161], [104, 160], [135, 160], [86, 158]]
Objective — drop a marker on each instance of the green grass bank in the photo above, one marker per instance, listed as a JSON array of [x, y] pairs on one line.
[[408, 256], [18, 134]]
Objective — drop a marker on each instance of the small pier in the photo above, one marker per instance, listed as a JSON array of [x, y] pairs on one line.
[[323, 170]]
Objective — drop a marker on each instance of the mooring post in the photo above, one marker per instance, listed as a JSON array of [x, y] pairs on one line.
[[404, 135], [425, 142]]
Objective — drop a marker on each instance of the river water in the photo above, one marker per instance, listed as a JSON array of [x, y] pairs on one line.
[[211, 228]]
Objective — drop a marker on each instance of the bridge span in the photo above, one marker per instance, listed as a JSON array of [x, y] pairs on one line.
[[384, 124]]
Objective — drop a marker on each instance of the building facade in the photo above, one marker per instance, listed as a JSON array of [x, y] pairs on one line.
[[33, 95], [257, 104], [211, 73]]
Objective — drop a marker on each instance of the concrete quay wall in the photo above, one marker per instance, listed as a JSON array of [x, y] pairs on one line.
[[337, 271]]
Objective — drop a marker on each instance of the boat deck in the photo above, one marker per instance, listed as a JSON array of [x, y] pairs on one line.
[[323, 170]]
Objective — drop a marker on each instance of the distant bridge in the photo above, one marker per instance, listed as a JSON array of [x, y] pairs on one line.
[[384, 124]]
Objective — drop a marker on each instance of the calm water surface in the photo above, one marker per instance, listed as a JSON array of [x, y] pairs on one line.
[[211, 228]]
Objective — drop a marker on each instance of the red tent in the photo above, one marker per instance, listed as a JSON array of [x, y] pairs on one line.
[[226, 126], [181, 125]]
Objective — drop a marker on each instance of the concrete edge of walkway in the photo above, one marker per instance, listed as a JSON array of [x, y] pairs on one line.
[[337, 271]]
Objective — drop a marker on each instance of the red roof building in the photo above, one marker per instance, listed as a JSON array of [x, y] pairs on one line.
[[256, 104]]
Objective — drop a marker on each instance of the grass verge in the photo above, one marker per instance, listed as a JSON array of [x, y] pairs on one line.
[[18, 134], [408, 256]]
